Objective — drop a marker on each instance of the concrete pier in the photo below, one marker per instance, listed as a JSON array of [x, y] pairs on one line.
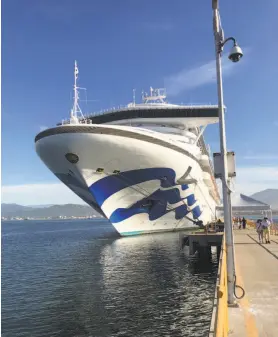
[[202, 242], [257, 273]]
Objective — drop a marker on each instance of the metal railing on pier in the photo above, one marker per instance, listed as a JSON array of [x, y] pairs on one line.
[[274, 229], [221, 320]]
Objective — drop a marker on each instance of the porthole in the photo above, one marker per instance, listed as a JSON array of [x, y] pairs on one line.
[[72, 158]]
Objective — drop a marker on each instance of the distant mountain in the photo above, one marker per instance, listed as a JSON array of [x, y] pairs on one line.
[[269, 196], [10, 208], [68, 210], [40, 206]]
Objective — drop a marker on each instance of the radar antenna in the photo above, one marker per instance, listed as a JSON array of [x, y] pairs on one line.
[[76, 108], [156, 95], [134, 98]]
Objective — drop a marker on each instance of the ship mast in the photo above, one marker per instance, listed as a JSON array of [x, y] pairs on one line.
[[76, 108]]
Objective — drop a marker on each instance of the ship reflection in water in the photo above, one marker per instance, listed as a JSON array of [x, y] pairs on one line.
[[79, 279]]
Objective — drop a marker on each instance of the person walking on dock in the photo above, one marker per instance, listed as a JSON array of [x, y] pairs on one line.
[[238, 223], [266, 227], [243, 223], [260, 231]]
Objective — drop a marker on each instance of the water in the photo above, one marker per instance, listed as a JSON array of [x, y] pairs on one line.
[[256, 217], [78, 278]]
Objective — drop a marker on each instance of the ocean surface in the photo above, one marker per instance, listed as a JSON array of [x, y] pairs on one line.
[[79, 278], [254, 217]]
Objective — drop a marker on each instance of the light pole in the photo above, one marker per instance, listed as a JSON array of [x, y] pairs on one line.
[[235, 56]]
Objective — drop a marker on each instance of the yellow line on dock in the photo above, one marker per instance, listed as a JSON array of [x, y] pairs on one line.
[[249, 318]]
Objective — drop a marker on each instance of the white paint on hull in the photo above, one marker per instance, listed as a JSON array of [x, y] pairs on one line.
[[112, 152]]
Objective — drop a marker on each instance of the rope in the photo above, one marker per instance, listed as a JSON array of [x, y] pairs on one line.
[[235, 284], [239, 287]]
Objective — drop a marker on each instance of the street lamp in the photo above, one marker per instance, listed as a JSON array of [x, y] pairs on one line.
[[235, 55]]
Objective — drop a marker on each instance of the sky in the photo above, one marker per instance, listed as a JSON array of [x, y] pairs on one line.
[[121, 45]]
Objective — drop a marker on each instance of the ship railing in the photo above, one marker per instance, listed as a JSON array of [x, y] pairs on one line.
[[85, 120], [201, 143], [141, 107]]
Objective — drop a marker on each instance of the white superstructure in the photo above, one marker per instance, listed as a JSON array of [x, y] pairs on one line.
[[145, 167]]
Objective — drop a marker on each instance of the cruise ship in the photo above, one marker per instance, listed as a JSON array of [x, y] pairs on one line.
[[145, 167]]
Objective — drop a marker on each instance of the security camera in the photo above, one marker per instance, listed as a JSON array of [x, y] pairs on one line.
[[235, 53]]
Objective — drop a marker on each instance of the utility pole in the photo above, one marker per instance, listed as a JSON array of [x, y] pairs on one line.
[[234, 56]]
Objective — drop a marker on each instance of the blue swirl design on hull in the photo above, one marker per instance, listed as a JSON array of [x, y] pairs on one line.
[[155, 204]]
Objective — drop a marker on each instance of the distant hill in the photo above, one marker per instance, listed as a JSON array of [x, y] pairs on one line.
[[11, 208], [68, 210], [269, 196], [41, 206]]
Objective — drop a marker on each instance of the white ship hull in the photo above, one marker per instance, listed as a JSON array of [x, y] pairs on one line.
[[146, 193]]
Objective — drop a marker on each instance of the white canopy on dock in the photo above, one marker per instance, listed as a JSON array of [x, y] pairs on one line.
[[243, 204]]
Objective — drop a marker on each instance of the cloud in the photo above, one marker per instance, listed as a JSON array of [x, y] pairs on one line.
[[254, 179], [39, 194], [250, 180], [188, 79], [261, 157]]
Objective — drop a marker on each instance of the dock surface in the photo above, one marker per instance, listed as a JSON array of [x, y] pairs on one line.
[[257, 272]]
